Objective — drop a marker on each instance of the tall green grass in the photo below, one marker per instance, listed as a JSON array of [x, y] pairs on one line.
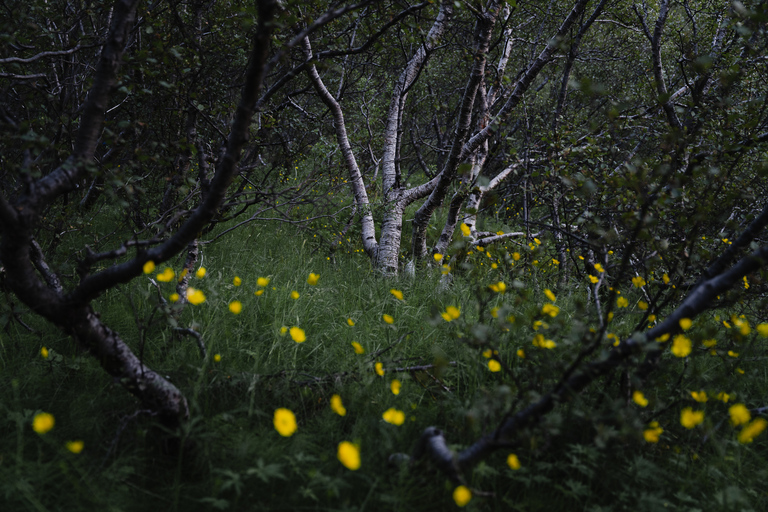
[[588, 454]]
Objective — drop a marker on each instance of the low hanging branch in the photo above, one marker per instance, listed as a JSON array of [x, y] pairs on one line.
[[433, 445]]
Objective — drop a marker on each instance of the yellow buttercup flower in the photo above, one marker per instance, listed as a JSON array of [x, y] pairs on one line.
[[622, 302], [665, 278], [166, 276], [639, 398], [700, 396], [44, 352], [593, 279], [740, 415], [599, 268], [394, 386], [200, 273], [294, 295], [685, 323], [236, 307], [748, 434], [762, 330], [652, 434], [358, 348], [350, 322], [297, 334], [194, 296], [465, 229], [262, 281], [397, 293], [550, 295], [388, 318], [349, 455], [217, 358], [438, 257], [462, 495], [174, 297], [283, 330], [394, 416], [337, 406], [284, 422], [379, 368], [313, 279], [723, 397], [43, 422], [520, 353], [681, 346], [494, 365], [550, 309], [149, 267], [76, 446], [642, 305], [690, 418], [237, 281], [513, 462], [516, 256], [638, 281], [258, 293]]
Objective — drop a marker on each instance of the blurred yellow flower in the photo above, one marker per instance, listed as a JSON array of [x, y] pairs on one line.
[[258, 293], [350, 322], [313, 279], [521, 353], [194, 296], [681, 346], [685, 323], [690, 418], [297, 334], [283, 330], [700, 396], [200, 273], [294, 295], [217, 358], [465, 229], [550, 295], [285, 422], [652, 434], [599, 268], [748, 434], [349, 455], [494, 365], [762, 330], [44, 352], [236, 307], [76, 446], [174, 297], [358, 348], [622, 302], [740, 415], [149, 267], [43, 422], [337, 406], [550, 309], [438, 257], [166, 276], [394, 416], [513, 462], [723, 397], [638, 281], [665, 278], [397, 293], [462, 495], [394, 386], [639, 398], [379, 368], [388, 318], [262, 281], [642, 305]]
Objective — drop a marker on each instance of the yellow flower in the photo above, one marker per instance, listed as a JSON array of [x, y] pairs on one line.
[[446, 270], [752, 430], [388, 318], [465, 229], [43, 422], [397, 293], [313, 278], [746, 283], [762, 330], [638, 281], [622, 302], [200, 273], [394, 386], [149, 267], [453, 312], [262, 281], [297, 334], [437, 256], [538, 242], [739, 414], [236, 307], [550, 309], [237, 281], [166, 276], [462, 495], [733, 354], [350, 322], [681, 346], [652, 434], [663, 338], [294, 295], [550, 295], [394, 416], [639, 398], [700, 396], [285, 422], [349, 455], [494, 365], [685, 323], [593, 279], [495, 312], [194, 296], [283, 330], [723, 397], [651, 318], [379, 368], [665, 278], [539, 341], [521, 353], [44, 352], [358, 348], [217, 358], [337, 406], [77, 446], [258, 293], [487, 353], [690, 418], [516, 256], [513, 462], [599, 268], [642, 305], [174, 297]]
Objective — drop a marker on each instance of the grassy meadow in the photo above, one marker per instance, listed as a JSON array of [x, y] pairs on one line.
[[592, 454]]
